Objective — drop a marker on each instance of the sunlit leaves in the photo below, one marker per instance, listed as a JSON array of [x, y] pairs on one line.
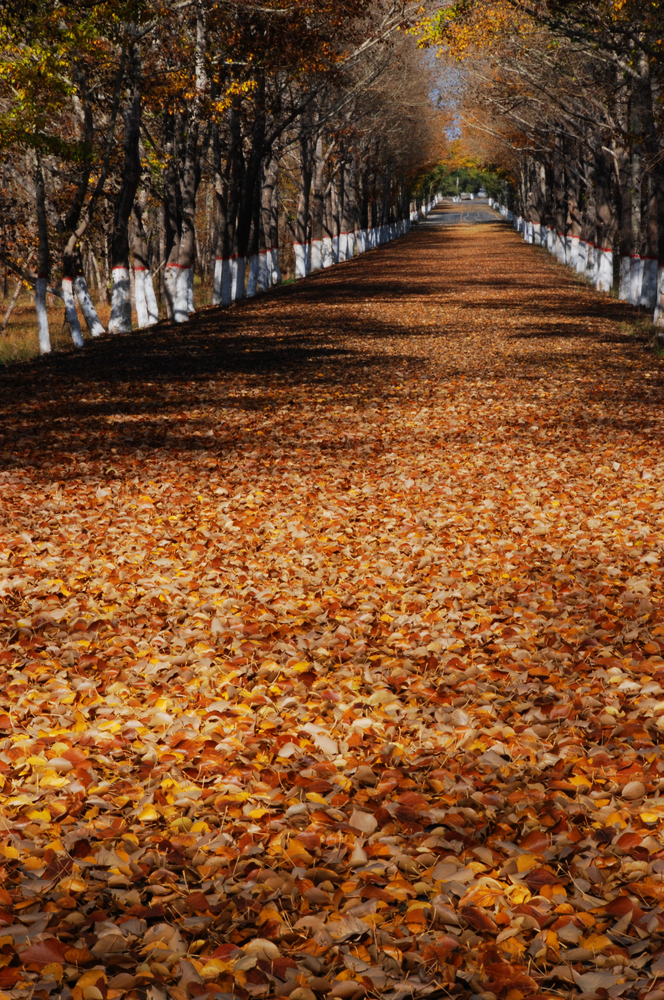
[[353, 682]]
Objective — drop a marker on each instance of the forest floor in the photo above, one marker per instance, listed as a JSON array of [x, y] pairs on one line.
[[333, 652]]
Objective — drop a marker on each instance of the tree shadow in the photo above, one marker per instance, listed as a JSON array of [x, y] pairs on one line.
[[156, 391]]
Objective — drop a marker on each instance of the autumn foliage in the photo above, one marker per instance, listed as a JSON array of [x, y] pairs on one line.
[[333, 645]]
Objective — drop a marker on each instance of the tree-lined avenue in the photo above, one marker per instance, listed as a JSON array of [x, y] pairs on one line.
[[334, 636]]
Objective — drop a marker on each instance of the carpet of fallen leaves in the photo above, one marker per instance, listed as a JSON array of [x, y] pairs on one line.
[[333, 644]]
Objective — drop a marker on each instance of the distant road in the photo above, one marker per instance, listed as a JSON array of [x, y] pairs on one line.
[[468, 213]]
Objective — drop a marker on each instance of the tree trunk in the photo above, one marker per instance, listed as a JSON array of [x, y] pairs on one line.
[[120, 321], [43, 260], [10, 307], [607, 220], [318, 206], [255, 241], [172, 210], [301, 244], [648, 294], [267, 195], [147, 310]]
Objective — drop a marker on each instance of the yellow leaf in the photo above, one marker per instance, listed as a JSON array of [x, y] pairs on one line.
[[269, 912], [615, 819], [199, 827], [315, 797], [512, 947], [215, 967], [148, 814], [91, 978], [579, 781], [49, 779], [40, 814], [32, 864], [596, 942], [518, 894], [525, 862], [649, 817], [297, 850], [53, 969], [11, 852], [73, 884], [257, 813]]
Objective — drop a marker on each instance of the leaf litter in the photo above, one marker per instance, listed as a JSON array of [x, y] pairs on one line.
[[333, 656]]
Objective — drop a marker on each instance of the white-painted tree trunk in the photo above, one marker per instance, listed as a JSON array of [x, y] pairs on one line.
[[120, 321], [343, 243], [648, 295], [267, 265], [275, 270], [574, 252], [550, 239], [625, 277], [316, 255], [139, 297], [226, 281], [635, 280], [591, 270], [170, 286], [264, 263], [335, 249], [658, 318], [223, 280], [252, 278], [93, 322], [300, 260], [216, 281], [560, 247], [582, 258], [147, 310], [327, 251], [361, 240], [239, 266], [604, 279], [70, 312], [181, 304], [190, 290], [42, 316]]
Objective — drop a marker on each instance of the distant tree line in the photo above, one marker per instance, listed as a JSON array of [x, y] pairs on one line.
[[567, 96]]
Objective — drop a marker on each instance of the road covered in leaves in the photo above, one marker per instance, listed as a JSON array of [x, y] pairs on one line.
[[333, 654]]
